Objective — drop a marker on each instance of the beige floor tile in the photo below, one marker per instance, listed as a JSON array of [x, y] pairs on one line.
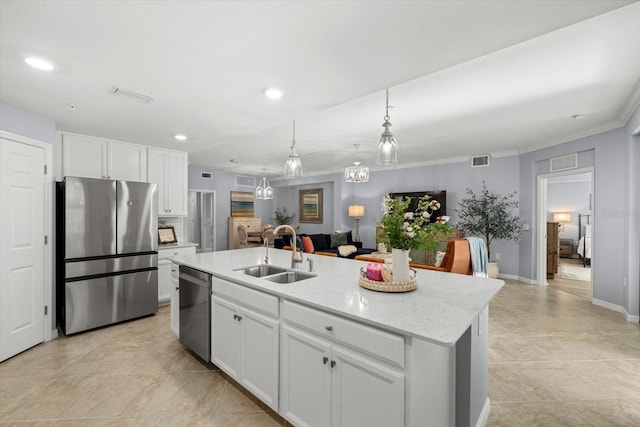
[[236, 400], [605, 413], [26, 423], [499, 418], [118, 395], [545, 414], [187, 392], [507, 384], [53, 399]]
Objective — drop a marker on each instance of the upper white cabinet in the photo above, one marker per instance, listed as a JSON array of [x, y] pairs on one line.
[[168, 169], [90, 157]]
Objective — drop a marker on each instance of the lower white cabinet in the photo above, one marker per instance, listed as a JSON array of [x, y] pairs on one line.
[[245, 338], [164, 282], [324, 383], [175, 299]]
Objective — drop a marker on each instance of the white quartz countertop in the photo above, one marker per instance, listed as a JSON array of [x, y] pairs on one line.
[[440, 310], [176, 245]]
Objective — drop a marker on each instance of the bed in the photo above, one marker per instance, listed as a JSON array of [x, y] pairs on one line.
[[584, 234]]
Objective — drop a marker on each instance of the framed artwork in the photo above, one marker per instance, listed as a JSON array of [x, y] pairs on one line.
[[440, 196], [311, 206], [241, 203], [167, 234]]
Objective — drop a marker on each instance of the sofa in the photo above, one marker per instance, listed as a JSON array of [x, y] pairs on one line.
[[338, 244]]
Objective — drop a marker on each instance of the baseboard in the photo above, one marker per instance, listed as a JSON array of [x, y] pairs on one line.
[[620, 309], [630, 317], [484, 414], [54, 334], [517, 278]]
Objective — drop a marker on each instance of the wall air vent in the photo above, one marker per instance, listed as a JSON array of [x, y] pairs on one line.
[[564, 163], [245, 181], [206, 175], [118, 91], [480, 161]]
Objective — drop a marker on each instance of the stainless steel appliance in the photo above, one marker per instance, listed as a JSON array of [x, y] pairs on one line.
[[195, 311], [107, 259]]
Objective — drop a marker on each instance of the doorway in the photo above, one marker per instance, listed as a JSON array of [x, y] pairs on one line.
[[201, 217], [565, 203]]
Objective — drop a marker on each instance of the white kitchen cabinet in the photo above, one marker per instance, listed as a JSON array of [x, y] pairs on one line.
[[168, 169], [91, 157], [325, 382], [164, 282], [175, 299], [245, 338]]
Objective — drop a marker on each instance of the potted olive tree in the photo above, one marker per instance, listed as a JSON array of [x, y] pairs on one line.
[[282, 217], [491, 216]]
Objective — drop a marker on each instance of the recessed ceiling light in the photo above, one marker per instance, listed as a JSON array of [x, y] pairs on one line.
[[272, 93], [180, 137], [39, 63], [579, 116]]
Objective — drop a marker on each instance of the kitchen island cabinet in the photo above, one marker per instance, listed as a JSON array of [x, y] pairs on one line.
[[350, 355]]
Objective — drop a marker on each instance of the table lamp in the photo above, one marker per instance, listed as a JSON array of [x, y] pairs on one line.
[[356, 211]]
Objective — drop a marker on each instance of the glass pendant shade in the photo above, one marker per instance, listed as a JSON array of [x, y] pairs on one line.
[[388, 146], [293, 165], [356, 173], [264, 190]]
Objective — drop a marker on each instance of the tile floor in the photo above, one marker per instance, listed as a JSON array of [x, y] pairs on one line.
[[554, 359]]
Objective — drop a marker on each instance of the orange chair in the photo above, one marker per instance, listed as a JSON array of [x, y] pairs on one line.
[[457, 259]]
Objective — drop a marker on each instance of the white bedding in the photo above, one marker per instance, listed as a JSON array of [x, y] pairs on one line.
[[584, 247]]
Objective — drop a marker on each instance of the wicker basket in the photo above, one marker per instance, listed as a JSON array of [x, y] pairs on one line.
[[387, 286]]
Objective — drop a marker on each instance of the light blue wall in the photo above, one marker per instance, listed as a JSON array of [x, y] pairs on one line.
[[22, 122], [631, 290]]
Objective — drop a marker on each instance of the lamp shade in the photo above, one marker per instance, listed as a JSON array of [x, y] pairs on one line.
[[561, 217], [356, 210]]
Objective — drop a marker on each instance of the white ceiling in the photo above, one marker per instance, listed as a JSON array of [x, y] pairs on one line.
[[465, 77]]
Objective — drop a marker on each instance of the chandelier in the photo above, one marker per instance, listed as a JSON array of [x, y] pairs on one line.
[[356, 173]]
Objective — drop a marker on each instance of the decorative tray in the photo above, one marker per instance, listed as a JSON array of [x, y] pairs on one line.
[[387, 286]]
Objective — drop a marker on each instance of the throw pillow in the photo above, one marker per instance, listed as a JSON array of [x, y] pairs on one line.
[[307, 244], [346, 250], [319, 242], [338, 239], [439, 258]]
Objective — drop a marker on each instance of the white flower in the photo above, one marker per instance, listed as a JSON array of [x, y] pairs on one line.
[[442, 219], [405, 225], [408, 215], [411, 234], [435, 205], [426, 215]]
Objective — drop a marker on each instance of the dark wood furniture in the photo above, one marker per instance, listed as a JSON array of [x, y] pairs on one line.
[[566, 248], [553, 248]]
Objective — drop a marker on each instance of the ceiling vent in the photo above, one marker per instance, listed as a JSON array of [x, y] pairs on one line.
[[118, 91], [564, 163], [245, 181], [206, 175], [480, 161]]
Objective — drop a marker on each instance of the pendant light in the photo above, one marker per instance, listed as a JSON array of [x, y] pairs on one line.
[[387, 147], [293, 165], [356, 173], [264, 190]]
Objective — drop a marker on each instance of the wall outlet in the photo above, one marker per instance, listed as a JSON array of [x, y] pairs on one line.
[[498, 256], [525, 226]]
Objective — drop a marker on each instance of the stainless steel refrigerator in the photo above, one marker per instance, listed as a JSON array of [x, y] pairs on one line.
[[107, 259]]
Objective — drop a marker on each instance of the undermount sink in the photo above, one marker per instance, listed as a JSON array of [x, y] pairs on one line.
[[262, 270], [289, 277], [275, 274]]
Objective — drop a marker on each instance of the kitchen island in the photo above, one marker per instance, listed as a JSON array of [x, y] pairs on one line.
[[324, 351]]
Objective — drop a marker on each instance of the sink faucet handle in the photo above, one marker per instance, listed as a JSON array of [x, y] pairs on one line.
[[310, 261]]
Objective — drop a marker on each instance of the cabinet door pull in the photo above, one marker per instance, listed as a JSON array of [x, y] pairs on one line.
[[177, 288], [333, 363], [239, 318], [329, 328], [235, 317], [325, 360]]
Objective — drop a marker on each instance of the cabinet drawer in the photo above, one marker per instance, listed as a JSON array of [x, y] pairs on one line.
[[384, 345], [250, 298], [164, 253]]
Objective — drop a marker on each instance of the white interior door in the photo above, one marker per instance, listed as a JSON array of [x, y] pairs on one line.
[[22, 248]]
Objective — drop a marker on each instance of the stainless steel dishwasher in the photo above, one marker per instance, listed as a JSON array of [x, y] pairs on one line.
[[195, 311]]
